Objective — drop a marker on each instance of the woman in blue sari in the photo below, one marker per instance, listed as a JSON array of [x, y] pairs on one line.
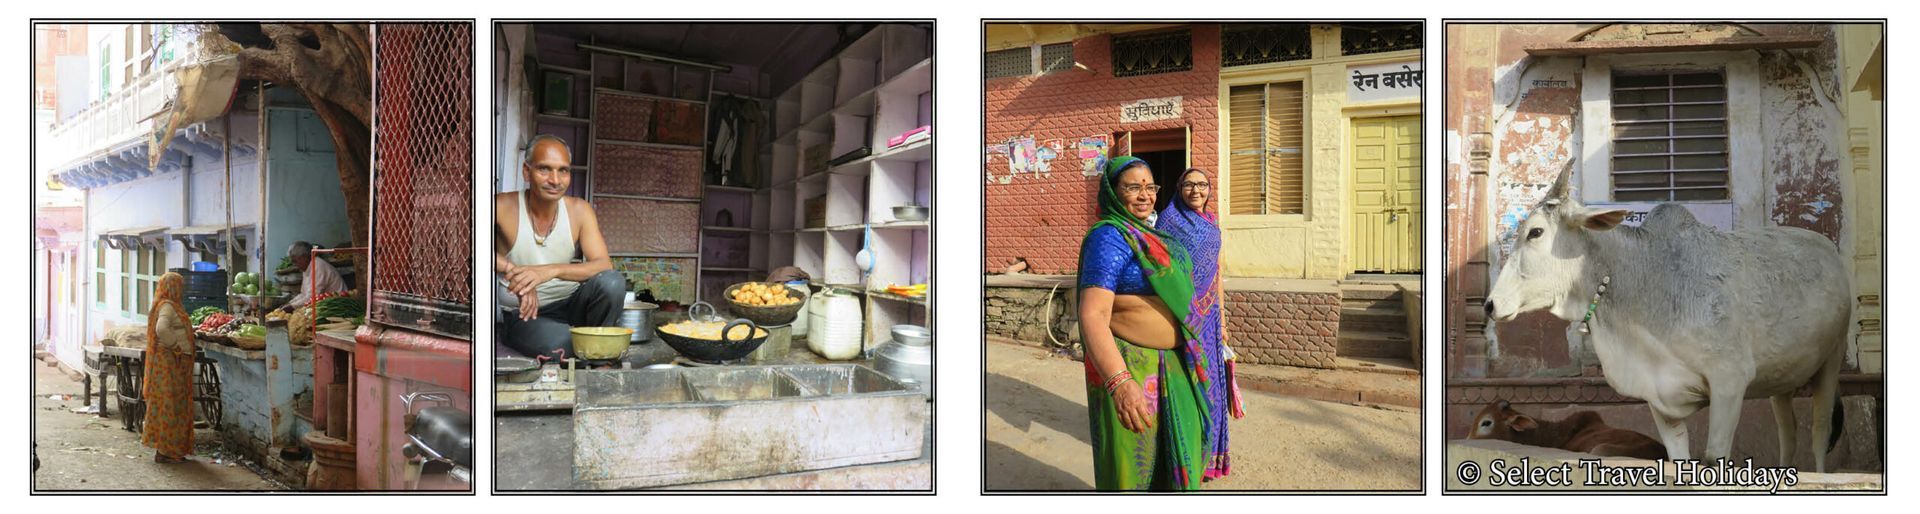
[[1144, 405], [1187, 221]]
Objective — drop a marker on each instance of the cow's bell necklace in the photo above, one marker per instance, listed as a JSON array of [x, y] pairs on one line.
[[1586, 323]]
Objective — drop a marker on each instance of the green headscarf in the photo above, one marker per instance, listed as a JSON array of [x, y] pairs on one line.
[[1165, 262]]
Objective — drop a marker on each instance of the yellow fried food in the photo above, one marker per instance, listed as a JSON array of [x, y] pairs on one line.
[[710, 330]]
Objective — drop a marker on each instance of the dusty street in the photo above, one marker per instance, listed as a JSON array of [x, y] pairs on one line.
[[87, 452], [1037, 434]]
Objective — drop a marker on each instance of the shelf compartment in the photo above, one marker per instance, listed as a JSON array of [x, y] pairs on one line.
[[649, 226], [839, 266], [846, 199], [900, 257], [809, 250], [893, 183], [883, 315]]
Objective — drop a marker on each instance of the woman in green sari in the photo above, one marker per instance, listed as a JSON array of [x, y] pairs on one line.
[[1143, 389]]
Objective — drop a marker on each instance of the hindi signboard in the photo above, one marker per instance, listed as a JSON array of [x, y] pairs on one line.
[[1151, 109], [1385, 82]]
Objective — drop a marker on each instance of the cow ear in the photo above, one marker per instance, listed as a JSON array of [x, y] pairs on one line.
[[1603, 219], [1521, 423]]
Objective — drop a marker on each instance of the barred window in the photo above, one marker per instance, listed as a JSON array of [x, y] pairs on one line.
[[1373, 38], [1266, 128], [1259, 43], [1012, 62], [1151, 53], [1669, 136]]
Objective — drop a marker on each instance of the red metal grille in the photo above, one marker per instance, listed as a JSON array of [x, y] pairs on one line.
[[423, 162]]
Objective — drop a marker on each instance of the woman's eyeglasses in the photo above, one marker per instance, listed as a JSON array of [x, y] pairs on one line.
[[1134, 189], [1196, 186]]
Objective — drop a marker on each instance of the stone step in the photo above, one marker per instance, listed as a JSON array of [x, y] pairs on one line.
[[1358, 343], [1379, 319], [1368, 304], [1369, 292]]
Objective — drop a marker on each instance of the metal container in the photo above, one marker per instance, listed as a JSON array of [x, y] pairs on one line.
[[909, 357], [910, 212], [649, 428], [779, 340], [638, 316], [601, 343]]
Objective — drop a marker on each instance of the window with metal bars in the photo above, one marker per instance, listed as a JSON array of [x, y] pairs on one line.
[[1266, 162], [1373, 38], [1242, 44], [1669, 136], [1157, 52], [1012, 62]]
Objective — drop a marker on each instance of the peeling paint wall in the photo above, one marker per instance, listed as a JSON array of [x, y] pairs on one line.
[[1532, 118]]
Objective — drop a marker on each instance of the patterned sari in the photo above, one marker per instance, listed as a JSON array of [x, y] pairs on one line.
[[1199, 232], [168, 382], [1122, 254]]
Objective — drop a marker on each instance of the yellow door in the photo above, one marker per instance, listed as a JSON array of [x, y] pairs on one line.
[[1384, 230]]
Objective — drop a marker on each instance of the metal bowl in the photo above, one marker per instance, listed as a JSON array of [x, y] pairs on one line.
[[601, 343], [912, 335], [724, 349], [911, 212]]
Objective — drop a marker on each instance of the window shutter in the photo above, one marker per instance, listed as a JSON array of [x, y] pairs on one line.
[[1246, 122], [1267, 126], [1286, 177]]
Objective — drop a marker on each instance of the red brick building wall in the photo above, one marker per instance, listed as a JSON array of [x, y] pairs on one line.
[[1043, 216]]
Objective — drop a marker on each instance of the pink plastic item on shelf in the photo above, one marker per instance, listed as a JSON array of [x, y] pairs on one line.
[[925, 131]]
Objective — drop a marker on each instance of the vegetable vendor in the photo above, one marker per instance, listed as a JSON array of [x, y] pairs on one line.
[[324, 278]]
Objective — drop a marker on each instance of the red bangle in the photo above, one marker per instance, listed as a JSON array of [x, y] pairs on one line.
[[1113, 382]]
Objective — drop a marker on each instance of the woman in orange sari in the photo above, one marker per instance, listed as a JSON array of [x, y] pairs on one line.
[[168, 384]]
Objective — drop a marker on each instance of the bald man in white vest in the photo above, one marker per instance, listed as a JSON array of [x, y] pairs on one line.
[[538, 233]]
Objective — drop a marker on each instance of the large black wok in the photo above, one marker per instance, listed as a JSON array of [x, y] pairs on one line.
[[724, 349]]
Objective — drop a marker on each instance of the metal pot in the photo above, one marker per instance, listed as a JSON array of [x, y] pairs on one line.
[[909, 357], [639, 317]]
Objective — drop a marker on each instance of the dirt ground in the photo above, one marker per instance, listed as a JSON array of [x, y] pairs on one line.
[[1037, 434], [80, 451]]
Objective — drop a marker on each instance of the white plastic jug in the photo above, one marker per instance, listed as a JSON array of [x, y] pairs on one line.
[[834, 331]]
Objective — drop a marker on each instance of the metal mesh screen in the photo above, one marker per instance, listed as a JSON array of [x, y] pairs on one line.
[[1012, 62], [1056, 57], [423, 166]]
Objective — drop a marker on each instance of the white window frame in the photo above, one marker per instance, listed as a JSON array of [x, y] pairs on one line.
[[1297, 71], [1746, 134]]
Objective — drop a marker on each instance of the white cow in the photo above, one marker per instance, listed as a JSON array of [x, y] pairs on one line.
[[1685, 316]]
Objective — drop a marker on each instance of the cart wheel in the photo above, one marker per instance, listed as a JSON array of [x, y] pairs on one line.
[[133, 408], [207, 394]]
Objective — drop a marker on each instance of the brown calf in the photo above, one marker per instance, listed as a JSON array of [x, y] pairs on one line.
[[1582, 431]]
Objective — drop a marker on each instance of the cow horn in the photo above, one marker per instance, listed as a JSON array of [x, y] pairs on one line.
[[1563, 185]]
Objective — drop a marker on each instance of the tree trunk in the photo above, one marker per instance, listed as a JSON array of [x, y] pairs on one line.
[[330, 65]]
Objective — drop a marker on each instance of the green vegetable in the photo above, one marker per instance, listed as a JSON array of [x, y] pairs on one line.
[[340, 307], [245, 278], [201, 314]]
